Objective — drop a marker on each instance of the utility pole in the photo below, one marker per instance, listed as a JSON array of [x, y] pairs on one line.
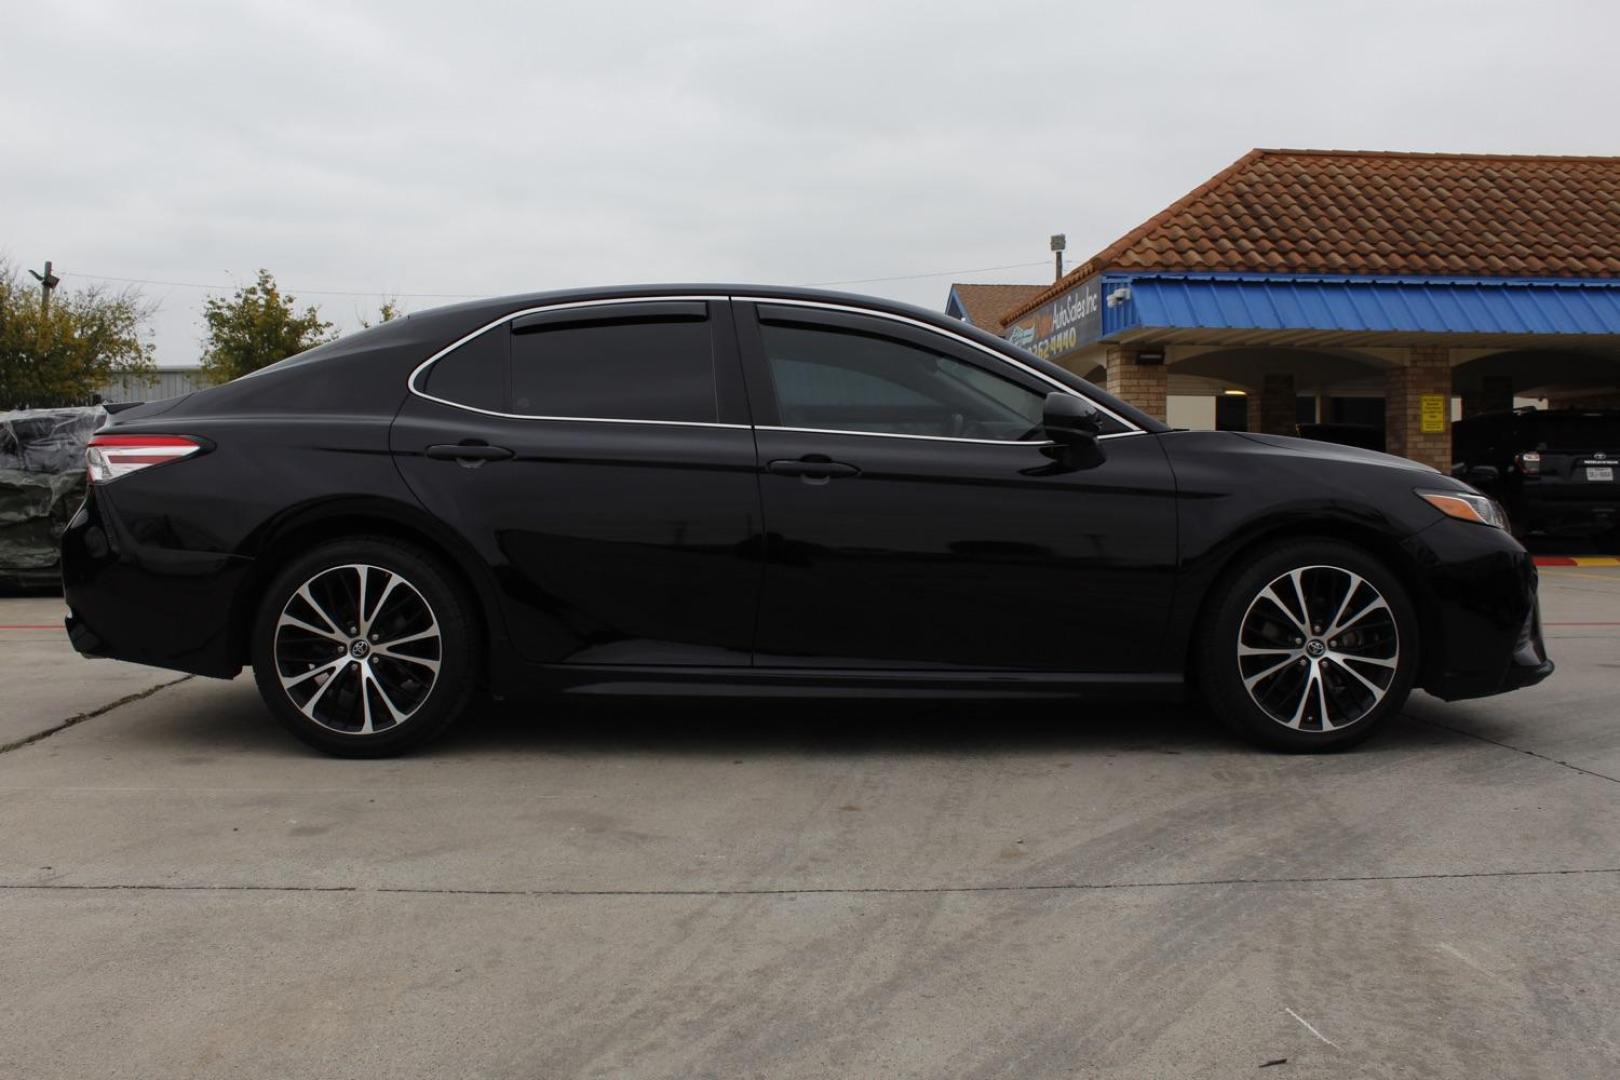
[[47, 283], [1059, 242]]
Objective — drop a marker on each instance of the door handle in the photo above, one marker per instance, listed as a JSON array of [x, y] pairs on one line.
[[812, 467], [468, 453]]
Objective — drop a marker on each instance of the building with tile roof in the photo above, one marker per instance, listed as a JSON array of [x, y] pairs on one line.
[[1396, 289], [984, 305]]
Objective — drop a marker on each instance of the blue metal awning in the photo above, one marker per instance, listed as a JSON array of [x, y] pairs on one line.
[[1319, 307]]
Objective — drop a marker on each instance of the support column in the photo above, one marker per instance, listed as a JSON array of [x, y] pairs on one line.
[[1427, 374], [1142, 385], [1272, 411]]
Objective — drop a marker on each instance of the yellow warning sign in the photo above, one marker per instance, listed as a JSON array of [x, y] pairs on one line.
[[1432, 410]]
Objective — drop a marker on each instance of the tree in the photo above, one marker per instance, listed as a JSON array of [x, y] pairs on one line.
[[64, 354], [255, 328], [387, 311]]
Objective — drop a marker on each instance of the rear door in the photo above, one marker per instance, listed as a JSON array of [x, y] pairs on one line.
[[599, 458]]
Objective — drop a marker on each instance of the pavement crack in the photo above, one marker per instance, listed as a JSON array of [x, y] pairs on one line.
[[1510, 746], [91, 715], [873, 890]]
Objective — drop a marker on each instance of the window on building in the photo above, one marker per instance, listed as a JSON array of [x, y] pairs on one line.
[[1232, 412]]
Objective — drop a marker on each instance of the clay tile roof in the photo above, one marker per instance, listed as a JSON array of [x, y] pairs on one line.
[[985, 304], [1364, 212]]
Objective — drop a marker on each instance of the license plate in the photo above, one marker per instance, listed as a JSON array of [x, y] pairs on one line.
[[1603, 473]]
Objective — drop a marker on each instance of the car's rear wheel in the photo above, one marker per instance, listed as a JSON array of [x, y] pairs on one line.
[[365, 647], [1308, 646]]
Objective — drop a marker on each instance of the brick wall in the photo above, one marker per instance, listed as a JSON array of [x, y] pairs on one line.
[[1427, 371], [1142, 385], [1272, 411]]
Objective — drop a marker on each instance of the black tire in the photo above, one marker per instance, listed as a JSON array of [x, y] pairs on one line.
[[1244, 636], [423, 618]]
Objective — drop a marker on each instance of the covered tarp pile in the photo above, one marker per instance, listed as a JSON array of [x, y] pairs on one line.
[[41, 485]]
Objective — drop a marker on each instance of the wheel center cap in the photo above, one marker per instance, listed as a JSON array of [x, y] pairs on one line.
[[359, 648], [1313, 646]]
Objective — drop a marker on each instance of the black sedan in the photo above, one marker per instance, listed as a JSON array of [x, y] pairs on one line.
[[758, 491]]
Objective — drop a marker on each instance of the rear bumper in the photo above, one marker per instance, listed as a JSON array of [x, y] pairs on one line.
[[1566, 509], [1481, 616], [145, 604]]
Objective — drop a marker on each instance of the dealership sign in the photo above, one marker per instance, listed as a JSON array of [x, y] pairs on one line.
[[1072, 320]]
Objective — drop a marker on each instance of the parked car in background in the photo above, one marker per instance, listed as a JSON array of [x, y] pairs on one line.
[[1364, 436], [1554, 470], [42, 483], [757, 491]]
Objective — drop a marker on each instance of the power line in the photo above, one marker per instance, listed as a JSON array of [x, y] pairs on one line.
[[289, 288], [216, 287], [936, 273]]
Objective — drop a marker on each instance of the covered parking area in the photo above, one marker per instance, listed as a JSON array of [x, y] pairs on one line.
[[1398, 292]]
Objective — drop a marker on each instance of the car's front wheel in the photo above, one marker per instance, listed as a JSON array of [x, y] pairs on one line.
[[365, 647], [1309, 646]]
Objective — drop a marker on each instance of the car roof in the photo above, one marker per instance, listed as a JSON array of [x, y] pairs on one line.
[[514, 301]]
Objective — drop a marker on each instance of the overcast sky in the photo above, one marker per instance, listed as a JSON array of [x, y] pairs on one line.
[[409, 148]]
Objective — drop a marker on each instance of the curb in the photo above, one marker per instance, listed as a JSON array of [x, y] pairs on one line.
[[1577, 560]]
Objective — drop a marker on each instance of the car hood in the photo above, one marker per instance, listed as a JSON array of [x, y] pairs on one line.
[[1325, 451]]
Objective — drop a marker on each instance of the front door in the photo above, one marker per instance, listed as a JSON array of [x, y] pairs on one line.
[[916, 517], [599, 457]]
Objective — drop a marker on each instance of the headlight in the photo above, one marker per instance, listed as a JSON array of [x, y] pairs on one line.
[[1466, 505]]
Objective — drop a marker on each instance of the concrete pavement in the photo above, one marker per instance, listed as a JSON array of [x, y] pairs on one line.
[[759, 890], [45, 683]]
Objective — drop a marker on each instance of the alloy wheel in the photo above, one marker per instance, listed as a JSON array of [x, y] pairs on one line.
[[1318, 648], [357, 649]]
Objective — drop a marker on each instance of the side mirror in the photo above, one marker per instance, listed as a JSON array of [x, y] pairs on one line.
[[1070, 420], [1483, 474], [1073, 424]]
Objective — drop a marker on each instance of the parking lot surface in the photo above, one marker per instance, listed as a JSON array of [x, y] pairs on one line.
[[1029, 889]]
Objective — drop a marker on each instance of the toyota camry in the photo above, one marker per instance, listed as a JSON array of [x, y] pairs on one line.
[[756, 491]]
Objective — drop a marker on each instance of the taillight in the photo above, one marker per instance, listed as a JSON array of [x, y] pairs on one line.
[[112, 456], [1529, 463]]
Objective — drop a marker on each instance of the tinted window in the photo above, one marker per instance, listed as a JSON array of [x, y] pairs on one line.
[[846, 381], [474, 374], [1573, 430], [628, 370]]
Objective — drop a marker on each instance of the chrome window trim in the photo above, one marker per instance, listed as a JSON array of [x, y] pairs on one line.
[[1132, 429], [416, 372], [930, 438]]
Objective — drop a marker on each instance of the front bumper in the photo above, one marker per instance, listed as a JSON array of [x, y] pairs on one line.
[[149, 604], [1480, 614]]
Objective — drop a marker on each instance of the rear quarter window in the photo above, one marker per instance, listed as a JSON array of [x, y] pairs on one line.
[[474, 373]]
